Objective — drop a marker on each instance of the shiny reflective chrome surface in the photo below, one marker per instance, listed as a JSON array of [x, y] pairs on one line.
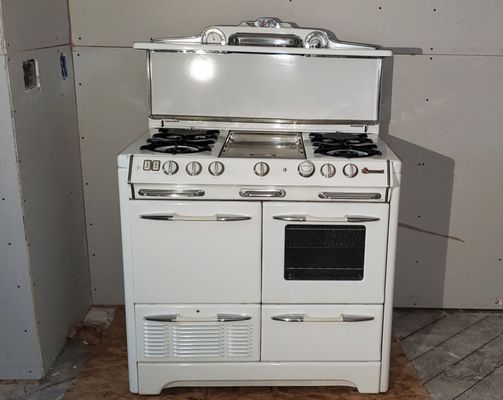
[[246, 144], [265, 39]]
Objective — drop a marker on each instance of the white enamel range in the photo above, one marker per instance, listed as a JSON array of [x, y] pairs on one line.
[[269, 250]]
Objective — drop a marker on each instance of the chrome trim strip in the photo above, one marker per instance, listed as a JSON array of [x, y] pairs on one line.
[[262, 120], [195, 218], [290, 218], [171, 193], [309, 218], [306, 318], [221, 317], [361, 218], [231, 218], [357, 318], [262, 193], [288, 318], [232, 317], [349, 196], [291, 51], [130, 169]]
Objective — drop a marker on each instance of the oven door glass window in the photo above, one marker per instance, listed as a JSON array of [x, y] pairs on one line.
[[324, 252]]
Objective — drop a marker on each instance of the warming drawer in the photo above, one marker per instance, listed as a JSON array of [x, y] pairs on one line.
[[197, 333], [321, 332]]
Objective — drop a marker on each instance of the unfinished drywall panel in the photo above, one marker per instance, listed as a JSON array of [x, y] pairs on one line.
[[112, 109], [20, 356], [446, 126], [2, 37], [45, 118], [31, 24], [439, 27]]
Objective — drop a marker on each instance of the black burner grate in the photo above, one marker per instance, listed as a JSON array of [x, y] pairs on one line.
[[344, 144], [181, 141]]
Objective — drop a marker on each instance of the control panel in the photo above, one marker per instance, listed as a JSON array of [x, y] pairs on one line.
[[265, 172]]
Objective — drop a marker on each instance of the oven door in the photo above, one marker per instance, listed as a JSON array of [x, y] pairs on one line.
[[196, 251], [324, 252]]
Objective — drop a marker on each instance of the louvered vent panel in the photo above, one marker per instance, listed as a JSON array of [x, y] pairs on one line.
[[239, 340], [197, 341], [155, 339]]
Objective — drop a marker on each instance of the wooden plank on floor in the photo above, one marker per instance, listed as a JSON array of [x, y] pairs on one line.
[[489, 388], [414, 321], [400, 312], [438, 359], [425, 339], [463, 375]]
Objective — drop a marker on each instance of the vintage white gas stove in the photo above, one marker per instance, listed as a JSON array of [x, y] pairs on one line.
[[259, 213]]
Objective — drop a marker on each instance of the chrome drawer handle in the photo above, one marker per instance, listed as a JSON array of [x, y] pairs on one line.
[[181, 318], [306, 318], [349, 196], [310, 218], [196, 218], [262, 193], [171, 193]]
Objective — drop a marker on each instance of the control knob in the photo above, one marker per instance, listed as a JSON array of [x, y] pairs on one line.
[[193, 168], [350, 170], [261, 168], [327, 170], [306, 169], [170, 167], [216, 168]]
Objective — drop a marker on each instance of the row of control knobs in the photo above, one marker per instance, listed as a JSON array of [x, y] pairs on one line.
[[193, 168], [307, 169], [216, 168]]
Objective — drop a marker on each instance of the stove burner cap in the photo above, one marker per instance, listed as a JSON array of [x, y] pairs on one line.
[[181, 141], [344, 144]]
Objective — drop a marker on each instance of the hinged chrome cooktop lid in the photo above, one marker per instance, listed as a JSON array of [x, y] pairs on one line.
[[267, 72]]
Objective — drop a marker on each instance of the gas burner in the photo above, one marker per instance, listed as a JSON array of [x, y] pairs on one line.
[[181, 141], [344, 144]]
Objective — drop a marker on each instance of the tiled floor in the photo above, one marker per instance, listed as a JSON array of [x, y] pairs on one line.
[[457, 354]]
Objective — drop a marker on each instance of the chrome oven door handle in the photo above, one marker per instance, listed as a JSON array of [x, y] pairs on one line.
[[196, 218], [310, 218], [349, 196], [171, 192], [307, 318], [262, 193], [180, 318]]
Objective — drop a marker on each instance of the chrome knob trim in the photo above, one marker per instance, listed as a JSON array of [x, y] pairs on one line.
[[261, 168], [327, 170], [350, 170], [216, 168], [306, 169], [170, 167], [316, 40], [193, 168], [213, 36]]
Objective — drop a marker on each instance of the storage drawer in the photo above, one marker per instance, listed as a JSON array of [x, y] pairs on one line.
[[321, 332], [183, 333]]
